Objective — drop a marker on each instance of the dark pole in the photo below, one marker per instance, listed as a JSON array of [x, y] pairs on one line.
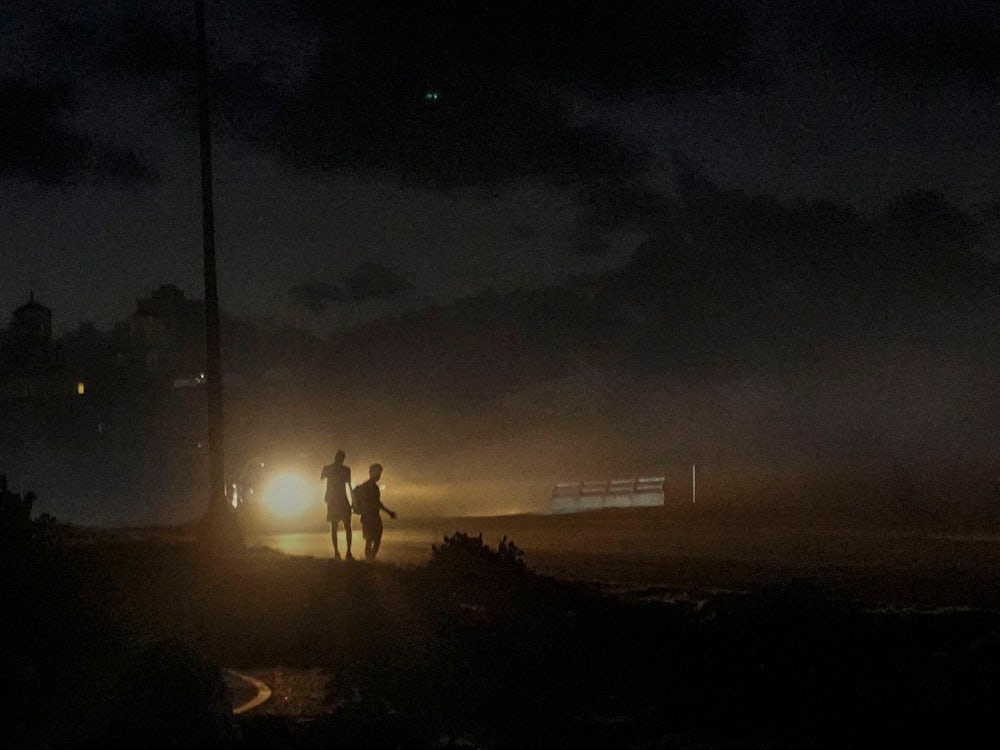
[[213, 359]]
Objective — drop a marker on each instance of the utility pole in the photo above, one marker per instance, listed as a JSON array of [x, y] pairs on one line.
[[213, 360]]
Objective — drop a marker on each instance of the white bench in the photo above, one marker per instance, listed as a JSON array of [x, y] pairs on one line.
[[575, 497]]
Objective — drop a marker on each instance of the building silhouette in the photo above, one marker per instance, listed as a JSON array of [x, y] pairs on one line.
[[28, 344], [89, 417], [164, 336], [29, 362]]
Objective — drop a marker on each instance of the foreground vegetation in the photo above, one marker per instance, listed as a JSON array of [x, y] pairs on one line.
[[120, 640]]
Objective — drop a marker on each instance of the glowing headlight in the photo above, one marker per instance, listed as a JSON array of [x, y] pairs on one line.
[[288, 495]]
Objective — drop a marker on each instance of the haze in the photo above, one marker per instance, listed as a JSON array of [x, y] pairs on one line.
[[501, 248]]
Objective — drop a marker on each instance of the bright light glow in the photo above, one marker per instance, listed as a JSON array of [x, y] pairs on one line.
[[81, 388], [288, 495]]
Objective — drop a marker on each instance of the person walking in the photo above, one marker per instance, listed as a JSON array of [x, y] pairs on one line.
[[368, 503], [338, 500]]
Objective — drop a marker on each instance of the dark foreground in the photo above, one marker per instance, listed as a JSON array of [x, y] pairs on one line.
[[115, 640]]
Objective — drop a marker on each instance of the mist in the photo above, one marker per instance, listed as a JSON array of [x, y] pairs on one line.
[[816, 357]]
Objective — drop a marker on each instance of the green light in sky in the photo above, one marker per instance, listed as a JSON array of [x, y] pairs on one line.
[[431, 96]]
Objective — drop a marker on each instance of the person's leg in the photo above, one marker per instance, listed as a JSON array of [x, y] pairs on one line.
[[333, 537], [347, 536], [376, 541], [366, 533]]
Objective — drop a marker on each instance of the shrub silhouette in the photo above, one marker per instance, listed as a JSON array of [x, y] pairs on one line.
[[465, 556], [467, 572]]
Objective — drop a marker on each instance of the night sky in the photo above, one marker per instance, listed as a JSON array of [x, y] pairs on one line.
[[777, 166]]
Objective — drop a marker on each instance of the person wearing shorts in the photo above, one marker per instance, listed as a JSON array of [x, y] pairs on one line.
[[338, 502], [368, 499]]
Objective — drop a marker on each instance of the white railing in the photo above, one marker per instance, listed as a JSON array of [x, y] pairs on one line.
[[575, 497]]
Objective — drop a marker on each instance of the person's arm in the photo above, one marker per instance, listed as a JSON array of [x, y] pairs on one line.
[[392, 513]]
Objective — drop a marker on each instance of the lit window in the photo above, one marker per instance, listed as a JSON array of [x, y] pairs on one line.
[[80, 388]]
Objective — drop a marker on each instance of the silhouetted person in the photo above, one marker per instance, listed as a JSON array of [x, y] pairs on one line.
[[338, 504], [368, 501]]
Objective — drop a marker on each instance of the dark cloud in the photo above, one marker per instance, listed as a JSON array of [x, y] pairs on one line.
[[42, 144], [624, 49], [38, 142], [368, 281], [150, 45], [314, 296], [621, 48], [559, 95], [922, 40], [743, 278], [375, 281], [346, 87], [443, 95], [140, 40], [733, 282], [343, 86], [478, 131], [928, 217], [117, 165]]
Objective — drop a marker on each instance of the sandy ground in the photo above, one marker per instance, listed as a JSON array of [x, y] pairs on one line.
[[662, 554], [928, 566]]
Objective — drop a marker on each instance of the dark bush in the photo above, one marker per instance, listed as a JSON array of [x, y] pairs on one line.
[[464, 571], [472, 555]]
